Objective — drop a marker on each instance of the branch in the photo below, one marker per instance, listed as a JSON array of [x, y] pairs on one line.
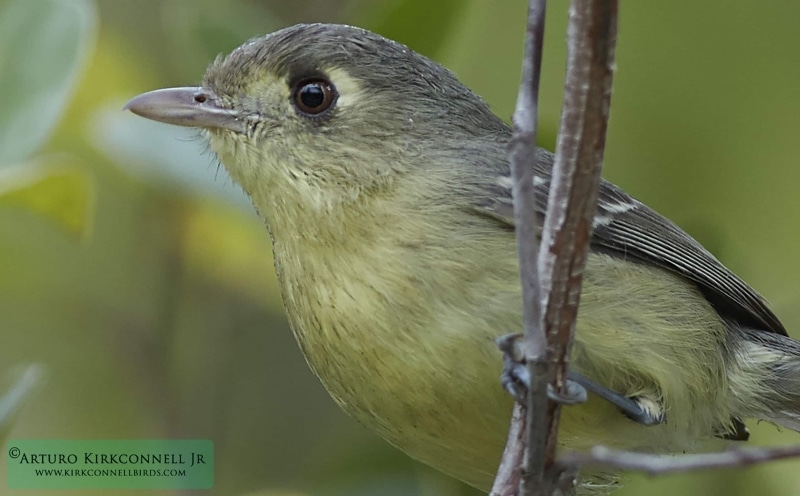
[[550, 301], [572, 202], [651, 464], [507, 480], [522, 153]]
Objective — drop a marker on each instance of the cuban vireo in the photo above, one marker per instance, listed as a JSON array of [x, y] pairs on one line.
[[384, 184]]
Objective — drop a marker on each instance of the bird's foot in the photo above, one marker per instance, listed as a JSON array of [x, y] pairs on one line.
[[516, 380]]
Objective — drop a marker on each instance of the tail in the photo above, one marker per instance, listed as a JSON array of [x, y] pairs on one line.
[[767, 386]]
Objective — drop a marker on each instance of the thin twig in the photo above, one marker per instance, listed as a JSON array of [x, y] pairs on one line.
[[507, 480], [651, 464], [522, 154]]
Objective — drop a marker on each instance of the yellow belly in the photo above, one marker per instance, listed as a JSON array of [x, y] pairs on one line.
[[418, 364]]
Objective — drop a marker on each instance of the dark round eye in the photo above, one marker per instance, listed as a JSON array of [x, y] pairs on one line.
[[314, 96]]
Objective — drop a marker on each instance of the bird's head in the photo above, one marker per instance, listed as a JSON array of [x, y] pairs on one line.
[[317, 115]]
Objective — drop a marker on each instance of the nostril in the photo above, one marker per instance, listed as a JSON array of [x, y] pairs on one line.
[[200, 97]]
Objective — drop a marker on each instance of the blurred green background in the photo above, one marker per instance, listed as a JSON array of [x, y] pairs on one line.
[[140, 279]]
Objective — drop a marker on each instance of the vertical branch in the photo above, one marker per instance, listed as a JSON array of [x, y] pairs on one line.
[[572, 200], [507, 479], [551, 278], [522, 154]]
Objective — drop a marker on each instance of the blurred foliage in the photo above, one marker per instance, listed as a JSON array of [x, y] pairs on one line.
[[167, 321], [25, 381], [59, 192], [42, 46]]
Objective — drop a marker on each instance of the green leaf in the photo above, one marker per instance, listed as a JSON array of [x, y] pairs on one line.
[[12, 401], [43, 44], [61, 192]]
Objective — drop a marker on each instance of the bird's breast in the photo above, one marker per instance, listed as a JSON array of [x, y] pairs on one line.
[[413, 365]]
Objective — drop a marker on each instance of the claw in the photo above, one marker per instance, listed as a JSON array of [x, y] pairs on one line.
[[573, 393], [642, 410]]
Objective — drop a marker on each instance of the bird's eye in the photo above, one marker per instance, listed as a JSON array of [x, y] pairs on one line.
[[314, 96]]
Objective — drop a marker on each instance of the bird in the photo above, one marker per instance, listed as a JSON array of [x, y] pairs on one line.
[[385, 187]]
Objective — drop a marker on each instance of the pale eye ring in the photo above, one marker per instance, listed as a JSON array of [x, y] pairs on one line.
[[312, 97]]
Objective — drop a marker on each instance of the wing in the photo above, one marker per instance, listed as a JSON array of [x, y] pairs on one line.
[[627, 228]]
